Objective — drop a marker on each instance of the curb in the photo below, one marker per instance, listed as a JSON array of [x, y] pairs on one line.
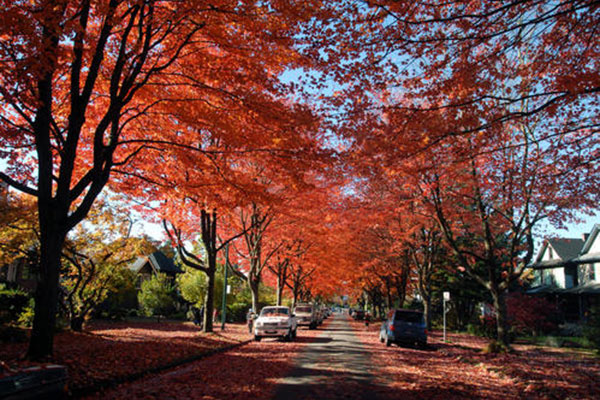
[[107, 383]]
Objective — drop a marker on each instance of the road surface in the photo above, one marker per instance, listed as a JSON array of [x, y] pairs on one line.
[[334, 365]]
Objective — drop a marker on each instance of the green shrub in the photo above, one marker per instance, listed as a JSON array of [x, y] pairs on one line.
[[157, 296], [236, 312], [12, 304], [591, 331], [26, 316]]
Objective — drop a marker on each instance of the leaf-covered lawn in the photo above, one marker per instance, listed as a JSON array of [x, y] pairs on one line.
[[460, 370], [246, 372], [112, 350]]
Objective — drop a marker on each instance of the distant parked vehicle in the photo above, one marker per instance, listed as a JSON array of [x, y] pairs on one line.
[[404, 326], [306, 315], [275, 322], [358, 315]]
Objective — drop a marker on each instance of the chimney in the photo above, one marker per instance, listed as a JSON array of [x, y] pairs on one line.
[[585, 236]]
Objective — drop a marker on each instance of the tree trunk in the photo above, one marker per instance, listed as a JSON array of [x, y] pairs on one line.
[[501, 320], [209, 298], [295, 297], [427, 311], [253, 283], [46, 295], [77, 323], [279, 292]]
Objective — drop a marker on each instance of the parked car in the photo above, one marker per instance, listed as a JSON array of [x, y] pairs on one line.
[[306, 315], [276, 321], [404, 326], [358, 315]]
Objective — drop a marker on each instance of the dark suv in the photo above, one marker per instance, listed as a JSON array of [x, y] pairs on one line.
[[404, 326]]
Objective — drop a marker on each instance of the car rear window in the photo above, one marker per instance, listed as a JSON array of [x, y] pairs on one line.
[[303, 309], [408, 316], [273, 311]]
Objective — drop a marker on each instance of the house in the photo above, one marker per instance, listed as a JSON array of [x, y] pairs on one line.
[[157, 262], [20, 273], [568, 272]]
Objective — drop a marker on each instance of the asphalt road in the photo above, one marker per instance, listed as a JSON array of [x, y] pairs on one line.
[[334, 365]]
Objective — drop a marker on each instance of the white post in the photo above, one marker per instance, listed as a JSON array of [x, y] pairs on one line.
[[446, 298]]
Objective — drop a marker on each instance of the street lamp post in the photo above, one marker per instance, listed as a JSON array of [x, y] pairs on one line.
[[446, 298], [225, 287]]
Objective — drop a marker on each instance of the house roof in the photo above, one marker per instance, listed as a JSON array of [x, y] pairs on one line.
[[588, 288], [158, 261], [544, 289], [590, 239], [566, 248]]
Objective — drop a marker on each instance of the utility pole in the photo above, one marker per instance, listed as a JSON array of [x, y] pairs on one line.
[[446, 298], [225, 289]]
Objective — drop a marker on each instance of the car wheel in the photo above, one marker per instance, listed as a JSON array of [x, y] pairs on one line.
[[422, 345], [257, 338], [312, 325], [388, 342]]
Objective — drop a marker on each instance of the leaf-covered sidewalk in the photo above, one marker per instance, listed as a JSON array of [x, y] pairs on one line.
[[120, 351], [459, 370]]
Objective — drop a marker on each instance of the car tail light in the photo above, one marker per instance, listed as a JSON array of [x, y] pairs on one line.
[[426, 331], [392, 328]]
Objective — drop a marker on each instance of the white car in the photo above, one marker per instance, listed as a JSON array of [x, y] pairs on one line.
[[306, 315], [276, 321]]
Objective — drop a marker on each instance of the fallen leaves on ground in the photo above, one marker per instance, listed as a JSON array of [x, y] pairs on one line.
[[246, 372], [458, 369], [111, 350]]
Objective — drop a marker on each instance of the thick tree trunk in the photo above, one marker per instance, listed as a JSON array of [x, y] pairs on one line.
[[295, 297], [501, 320], [279, 292], [209, 299], [46, 297], [253, 283], [77, 323], [427, 311]]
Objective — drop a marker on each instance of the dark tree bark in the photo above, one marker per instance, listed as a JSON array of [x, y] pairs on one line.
[[64, 198]]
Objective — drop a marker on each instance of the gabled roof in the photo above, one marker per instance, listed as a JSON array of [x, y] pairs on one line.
[[158, 261], [566, 248], [590, 239]]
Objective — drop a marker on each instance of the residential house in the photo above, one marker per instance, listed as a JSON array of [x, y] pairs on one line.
[[157, 262], [568, 272], [20, 273]]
